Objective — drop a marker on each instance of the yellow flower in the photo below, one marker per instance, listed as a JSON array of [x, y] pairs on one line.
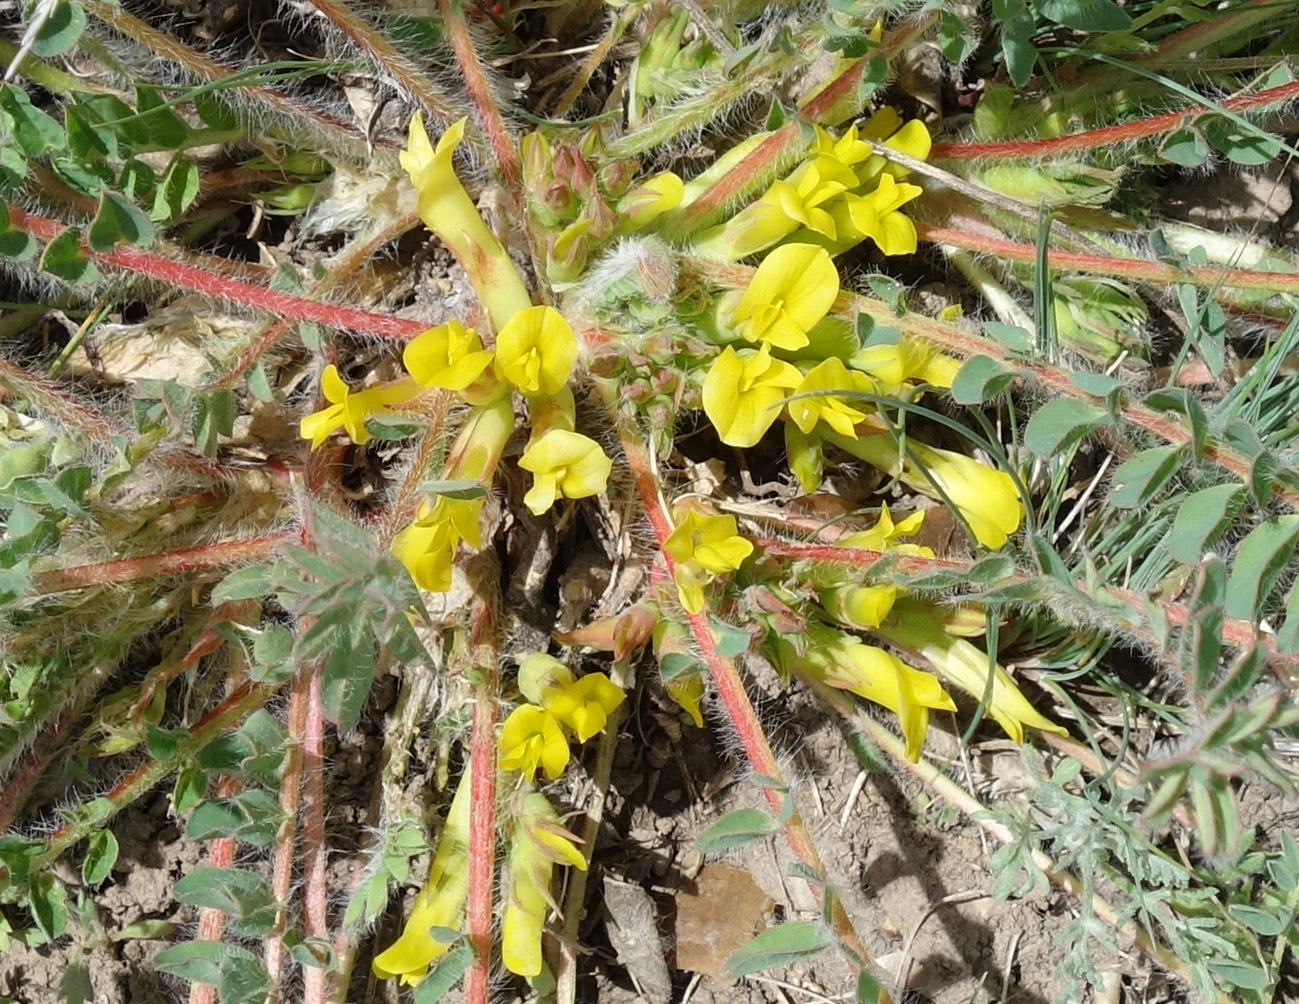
[[703, 546], [585, 704], [647, 202], [786, 206], [449, 356], [886, 126], [843, 661], [538, 843], [876, 216], [885, 534], [985, 497], [742, 393], [564, 464], [541, 674], [895, 365], [531, 738], [793, 288], [536, 351], [688, 692], [918, 628], [349, 409], [440, 903], [848, 149], [447, 210], [428, 546], [820, 400]]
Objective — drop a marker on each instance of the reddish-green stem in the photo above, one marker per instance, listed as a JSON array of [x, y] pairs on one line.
[[482, 810], [739, 710], [271, 332], [1127, 268], [390, 58], [749, 173], [315, 912], [212, 921], [48, 398], [223, 287], [144, 566], [1109, 135], [134, 784], [290, 799], [343, 135], [486, 109]]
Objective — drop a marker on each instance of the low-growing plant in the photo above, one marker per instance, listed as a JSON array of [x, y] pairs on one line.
[[698, 239]]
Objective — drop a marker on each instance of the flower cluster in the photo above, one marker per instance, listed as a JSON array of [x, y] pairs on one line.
[[842, 194], [536, 734], [827, 655]]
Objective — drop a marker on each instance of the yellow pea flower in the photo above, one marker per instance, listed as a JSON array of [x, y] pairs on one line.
[[688, 692], [742, 394], [564, 465], [885, 534], [888, 129], [538, 843], [449, 356], [867, 606], [918, 628], [585, 704], [793, 288], [447, 210], [848, 149], [787, 205], [984, 496], [649, 200], [536, 351], [893, 366], [541, 674], [703, 546], [429, 545], [816, 398], [531, 738], [440, 903], [348, 409], [843, 661], [877, 216]]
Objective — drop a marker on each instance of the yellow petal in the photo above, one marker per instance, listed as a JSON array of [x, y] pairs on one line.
[[536, 351]]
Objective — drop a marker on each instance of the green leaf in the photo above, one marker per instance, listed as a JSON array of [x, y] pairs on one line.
[[1200, 518], [252, 815], [1140, 477], [1099, 384], [454, 489], [980, 379], [1202, 637], [243, 980], [1260, 921], [177, 190], [17, 244], [778, 946], [246, 898], [1242, 974], [954, 39], [48, 904], [85, 137], [446, 974], [735, 829], [347, 675], [214, 417], [1013, 337], [1260, 559], [732, 642], [1017, 47], [167, 130], [1086, 15], [1249, 147], [1184, 402], [215, 111], [1287, 635], [1186, 147], [195, 961], [65, 259], [868, 988], [33, 130], [118, 221], [74, 985], [250, 583], [60, 31], [1061, 424], [100, 857]]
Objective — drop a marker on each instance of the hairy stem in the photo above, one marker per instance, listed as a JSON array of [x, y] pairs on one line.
[[482, 811]]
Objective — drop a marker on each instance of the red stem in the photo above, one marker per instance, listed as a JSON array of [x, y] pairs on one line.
[[145, 566], [482, 805], [1108, 135], [739, 710], [290, 799], [1130, 268], [211, 921], [223, 287]]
